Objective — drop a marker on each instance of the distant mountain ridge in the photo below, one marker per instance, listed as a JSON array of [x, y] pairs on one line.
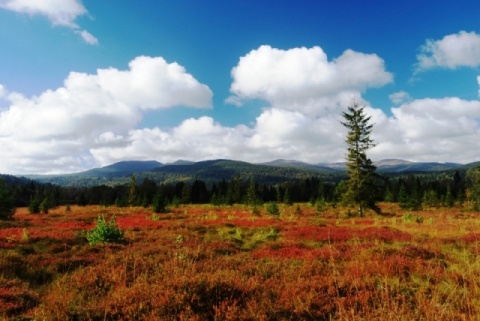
[[276, 171], [299, 164], [385, 165], [400, 165], [126, 167]]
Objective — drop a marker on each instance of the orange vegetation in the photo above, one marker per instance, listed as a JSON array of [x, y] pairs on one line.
[[224, 263]]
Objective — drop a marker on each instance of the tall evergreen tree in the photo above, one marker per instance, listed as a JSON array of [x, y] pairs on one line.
[[251, 196], [159, 203], [132, 191], [7, 206], [473, 188], [361, 190]]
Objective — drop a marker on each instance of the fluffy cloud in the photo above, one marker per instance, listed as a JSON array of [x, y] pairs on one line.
[[90, 111], [194, 139], [59, 12], [430, 130], [304, 79], [292, 135], [276, 134], [455, 50], [307, 92], [421, 130]]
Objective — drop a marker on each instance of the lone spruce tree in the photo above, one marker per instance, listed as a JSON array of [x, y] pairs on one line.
[[361, 189]]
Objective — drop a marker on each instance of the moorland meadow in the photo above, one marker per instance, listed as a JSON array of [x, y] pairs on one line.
[[206, 262]]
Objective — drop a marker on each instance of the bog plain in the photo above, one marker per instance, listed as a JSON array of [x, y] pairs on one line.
[[204, 262]]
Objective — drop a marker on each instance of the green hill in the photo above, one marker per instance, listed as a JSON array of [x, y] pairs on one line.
[[215, 170]]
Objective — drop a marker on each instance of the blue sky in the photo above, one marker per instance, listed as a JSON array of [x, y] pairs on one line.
[[89, 83]]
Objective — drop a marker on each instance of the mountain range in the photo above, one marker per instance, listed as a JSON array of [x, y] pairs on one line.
[[215, 170]]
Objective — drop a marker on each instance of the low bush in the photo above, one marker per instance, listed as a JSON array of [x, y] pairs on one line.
[[273, 209], [105, 232], [409, 218]]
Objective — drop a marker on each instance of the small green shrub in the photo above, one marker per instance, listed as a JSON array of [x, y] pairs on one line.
[[105, 232], [255, 210], [320, 205], [409, 218], [159, 204], [273, 209], [34, 206], [298, 210], [45, 206], [25, 235], [346, 214]]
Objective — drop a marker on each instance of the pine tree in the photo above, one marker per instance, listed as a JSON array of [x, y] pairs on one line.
[[7, 206], [45, 205], [449, 201], [186, 194], [159, 203], [132, 191], [286, 197], [473, 188], [403, 199], [251, 196], [361, 190]]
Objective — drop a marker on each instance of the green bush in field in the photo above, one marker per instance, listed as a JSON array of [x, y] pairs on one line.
[[105, 232], [409, 218], [159, 204], [273, 209], [34, 206]]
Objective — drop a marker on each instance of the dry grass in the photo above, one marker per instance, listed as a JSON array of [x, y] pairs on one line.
[[223, 263]]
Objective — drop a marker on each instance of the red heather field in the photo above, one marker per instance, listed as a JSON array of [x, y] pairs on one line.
[[224, 263]]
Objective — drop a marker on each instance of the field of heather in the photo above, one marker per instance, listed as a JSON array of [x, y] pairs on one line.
[[224, 263]]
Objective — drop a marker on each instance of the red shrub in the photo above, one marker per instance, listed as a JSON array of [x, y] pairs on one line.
[[299, 252], [365, 221], [15, 298], [385, 234], [471, 238], [138, 220], [74, 225], [319, 233], [259, 222]]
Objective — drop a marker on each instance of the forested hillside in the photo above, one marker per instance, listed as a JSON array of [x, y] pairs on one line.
[[208, 171], [228, 182]]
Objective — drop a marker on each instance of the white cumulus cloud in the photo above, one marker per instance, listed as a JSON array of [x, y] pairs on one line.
[[90, 110], [59, 12], [456, 50], [275, 134], [194, 139], [429, 129], [304, 79]]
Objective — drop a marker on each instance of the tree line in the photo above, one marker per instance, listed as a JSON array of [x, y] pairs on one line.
[[362, 188], [412, 192]]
